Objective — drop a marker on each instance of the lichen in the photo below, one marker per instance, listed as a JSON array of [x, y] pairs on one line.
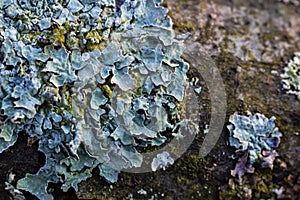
[[91, 81], [257, 137], [161, 161], [291, 76]]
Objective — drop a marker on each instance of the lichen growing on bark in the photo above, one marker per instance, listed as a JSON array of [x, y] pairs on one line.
[[90, 81], [257, 137], [291, 76]]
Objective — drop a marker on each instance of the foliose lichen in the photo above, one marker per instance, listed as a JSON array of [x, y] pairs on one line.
[[291, 76], [161, 161], [256, 136], [90, 80]]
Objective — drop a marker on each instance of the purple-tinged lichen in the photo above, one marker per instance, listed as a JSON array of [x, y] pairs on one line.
[[256, 136]]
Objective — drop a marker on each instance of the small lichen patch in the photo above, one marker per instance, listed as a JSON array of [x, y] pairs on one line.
[[257, 137], [291, 76]]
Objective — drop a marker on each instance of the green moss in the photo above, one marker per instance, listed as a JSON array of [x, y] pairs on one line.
[[187, 26]]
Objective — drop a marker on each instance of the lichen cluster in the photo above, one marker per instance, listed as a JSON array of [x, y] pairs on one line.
[[291, 76], [257, 137], [90, 81]]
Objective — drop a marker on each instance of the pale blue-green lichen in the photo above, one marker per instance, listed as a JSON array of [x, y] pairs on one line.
[[291, 76], [161, 161], [256, 136], [90, 81], [253, 134]]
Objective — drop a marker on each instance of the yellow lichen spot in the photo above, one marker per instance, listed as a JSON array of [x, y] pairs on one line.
[[95, 40], [58, 35], [107, 90]]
